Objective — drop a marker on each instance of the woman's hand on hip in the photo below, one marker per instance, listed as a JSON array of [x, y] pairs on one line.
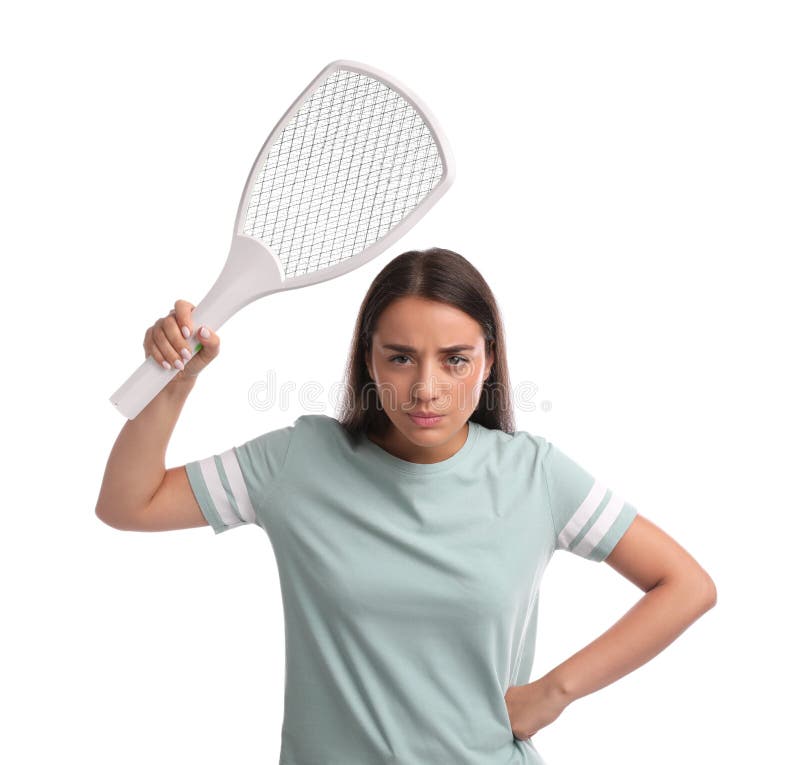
[[533, 706]]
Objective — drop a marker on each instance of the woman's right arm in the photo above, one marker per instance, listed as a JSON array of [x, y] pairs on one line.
[[137, 492]]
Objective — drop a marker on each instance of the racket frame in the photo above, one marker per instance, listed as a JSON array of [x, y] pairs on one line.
[[252, 270], [398, 230]]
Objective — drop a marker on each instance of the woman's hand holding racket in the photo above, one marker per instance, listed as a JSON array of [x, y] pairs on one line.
[[168, 342]]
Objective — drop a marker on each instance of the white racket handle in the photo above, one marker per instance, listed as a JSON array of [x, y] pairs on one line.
[[250, 272]]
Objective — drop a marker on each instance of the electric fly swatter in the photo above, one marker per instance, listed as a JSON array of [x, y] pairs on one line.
[[354, 163]]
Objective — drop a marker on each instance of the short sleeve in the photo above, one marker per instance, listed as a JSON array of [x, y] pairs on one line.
[[231, 487], [588, 518]]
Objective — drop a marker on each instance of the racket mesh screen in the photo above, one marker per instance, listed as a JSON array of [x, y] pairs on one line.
[[353, 161]]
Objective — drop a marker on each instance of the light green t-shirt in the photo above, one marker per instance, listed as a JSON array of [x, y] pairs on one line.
[[410, 591]]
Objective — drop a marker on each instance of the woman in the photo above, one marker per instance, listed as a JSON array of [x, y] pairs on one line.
[[411, 534]]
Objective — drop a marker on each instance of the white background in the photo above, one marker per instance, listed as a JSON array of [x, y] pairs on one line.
[[627, 182]]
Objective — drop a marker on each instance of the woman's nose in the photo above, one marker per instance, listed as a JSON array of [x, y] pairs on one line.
[[427, 387]]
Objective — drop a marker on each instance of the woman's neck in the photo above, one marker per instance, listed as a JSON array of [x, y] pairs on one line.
[[396, 444]]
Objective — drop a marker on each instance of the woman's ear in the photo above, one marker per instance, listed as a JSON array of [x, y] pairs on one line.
[[489, 363]]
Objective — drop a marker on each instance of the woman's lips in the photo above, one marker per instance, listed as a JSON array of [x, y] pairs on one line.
[[425, 421]]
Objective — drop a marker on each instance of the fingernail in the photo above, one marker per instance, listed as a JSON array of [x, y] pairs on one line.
[[166, 365], [185, 331], [186, 355], [179, 364], [204, 333]]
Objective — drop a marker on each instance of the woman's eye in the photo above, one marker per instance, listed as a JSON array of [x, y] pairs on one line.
[[460, 360]]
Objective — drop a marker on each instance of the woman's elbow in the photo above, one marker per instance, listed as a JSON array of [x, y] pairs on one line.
[[711, 592]]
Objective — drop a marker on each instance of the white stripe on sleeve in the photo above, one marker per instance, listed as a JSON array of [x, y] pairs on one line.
[[600, 526], [581, 515], [231, 514]]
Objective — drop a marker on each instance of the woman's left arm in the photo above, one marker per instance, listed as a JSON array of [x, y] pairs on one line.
[[677, 592]]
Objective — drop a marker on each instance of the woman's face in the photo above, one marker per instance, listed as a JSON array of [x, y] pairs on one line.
[[430, 357]]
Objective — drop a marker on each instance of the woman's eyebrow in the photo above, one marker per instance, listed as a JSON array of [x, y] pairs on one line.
[[409, 349]]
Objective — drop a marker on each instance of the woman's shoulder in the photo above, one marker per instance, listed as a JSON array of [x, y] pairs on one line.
[[318, 422], [516, 439], [319, 426], [306, 427]]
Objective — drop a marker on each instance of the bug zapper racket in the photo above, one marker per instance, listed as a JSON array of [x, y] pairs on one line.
[[353, 164]]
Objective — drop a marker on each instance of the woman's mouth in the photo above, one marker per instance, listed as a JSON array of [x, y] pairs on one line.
[[425, 421]]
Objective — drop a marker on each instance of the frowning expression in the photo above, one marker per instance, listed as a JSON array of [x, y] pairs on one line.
[[428, 357]]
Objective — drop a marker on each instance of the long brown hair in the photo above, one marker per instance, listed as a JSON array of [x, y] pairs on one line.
[[436, 274]]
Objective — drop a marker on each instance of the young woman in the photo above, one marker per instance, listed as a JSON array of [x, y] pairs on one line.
[[411, 534]]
